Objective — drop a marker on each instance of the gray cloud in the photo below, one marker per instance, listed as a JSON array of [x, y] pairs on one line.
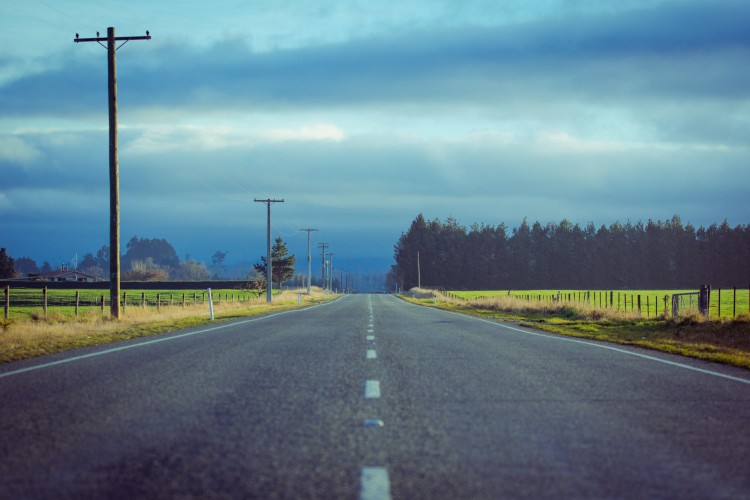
[[674, 51]]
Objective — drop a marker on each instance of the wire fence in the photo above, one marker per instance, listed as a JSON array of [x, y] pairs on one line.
[[722, 303], [28, 301]]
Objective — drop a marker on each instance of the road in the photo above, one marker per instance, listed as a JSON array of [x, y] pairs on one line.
[[371, 397]]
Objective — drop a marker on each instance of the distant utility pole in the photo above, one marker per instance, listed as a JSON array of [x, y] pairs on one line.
[[323, 281], [309, 269], [269, 282], [330, 271], [114, 176]]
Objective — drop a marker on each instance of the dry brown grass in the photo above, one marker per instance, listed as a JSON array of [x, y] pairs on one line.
[[725, 340], [513, 305], [35, 336]]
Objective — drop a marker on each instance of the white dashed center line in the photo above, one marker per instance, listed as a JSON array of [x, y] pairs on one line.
[[374, 481], [372, 389], [375, 484]]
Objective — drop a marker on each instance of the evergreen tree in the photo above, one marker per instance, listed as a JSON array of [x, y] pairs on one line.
[[160, 250], [6, 265], [658, 254], [88, 261], [282, 264], [102, 258], [25, 266]]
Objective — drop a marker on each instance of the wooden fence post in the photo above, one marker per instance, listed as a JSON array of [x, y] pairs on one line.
[[143, 300], [718, 306], [7, 301], [158, 302], [734, 302], [124, 301], [102, 304], [78, 298], [44, 305], [639, 305]]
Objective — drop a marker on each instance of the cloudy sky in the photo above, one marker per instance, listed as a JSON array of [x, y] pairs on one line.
[[362, 114]]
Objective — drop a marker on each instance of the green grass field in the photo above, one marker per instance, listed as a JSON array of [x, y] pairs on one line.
[[29, 302], [724, 303]]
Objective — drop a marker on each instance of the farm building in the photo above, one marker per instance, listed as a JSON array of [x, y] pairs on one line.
[[64, 275]]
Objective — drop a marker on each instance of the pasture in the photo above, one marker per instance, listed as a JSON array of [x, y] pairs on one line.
[[724, 303], [32, 302]]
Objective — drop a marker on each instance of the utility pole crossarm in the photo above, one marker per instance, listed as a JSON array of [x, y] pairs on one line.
[[117, 38]]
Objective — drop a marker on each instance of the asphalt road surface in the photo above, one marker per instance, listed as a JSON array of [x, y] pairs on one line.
[[370, 397]]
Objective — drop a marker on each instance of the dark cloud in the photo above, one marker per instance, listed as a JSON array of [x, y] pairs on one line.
[[675, 51]]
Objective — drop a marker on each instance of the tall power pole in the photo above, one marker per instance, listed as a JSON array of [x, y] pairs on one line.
[[269, 282], [114, 175], [330, 271], [309, 269], [323, 281]]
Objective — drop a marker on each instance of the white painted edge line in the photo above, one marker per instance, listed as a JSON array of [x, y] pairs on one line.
[[371, 337], [371, 354], [604, 346], [153, 341], [372, 389], [374, 484]]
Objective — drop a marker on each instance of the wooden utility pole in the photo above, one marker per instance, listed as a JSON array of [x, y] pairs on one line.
[[330, 272], [269, 282], [114, 174], [309, 269], [323, 282]]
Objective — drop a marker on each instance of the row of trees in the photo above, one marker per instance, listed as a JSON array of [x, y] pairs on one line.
[[657, 254], [145, 259], [155, 260]]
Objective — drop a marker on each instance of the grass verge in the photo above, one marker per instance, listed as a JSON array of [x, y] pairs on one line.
[[724, 341], [23, 338]]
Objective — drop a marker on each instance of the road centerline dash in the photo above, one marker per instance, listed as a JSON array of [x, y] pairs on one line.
[[372, 389], [374, 484]]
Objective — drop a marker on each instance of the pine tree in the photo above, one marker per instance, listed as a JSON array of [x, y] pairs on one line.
[[6, 265], [282, 265]]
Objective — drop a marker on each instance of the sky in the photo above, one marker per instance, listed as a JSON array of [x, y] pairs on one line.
[[363, 114]]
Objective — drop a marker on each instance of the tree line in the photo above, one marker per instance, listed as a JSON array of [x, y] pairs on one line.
[[154, 259], [145, 259], [655, 255]]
